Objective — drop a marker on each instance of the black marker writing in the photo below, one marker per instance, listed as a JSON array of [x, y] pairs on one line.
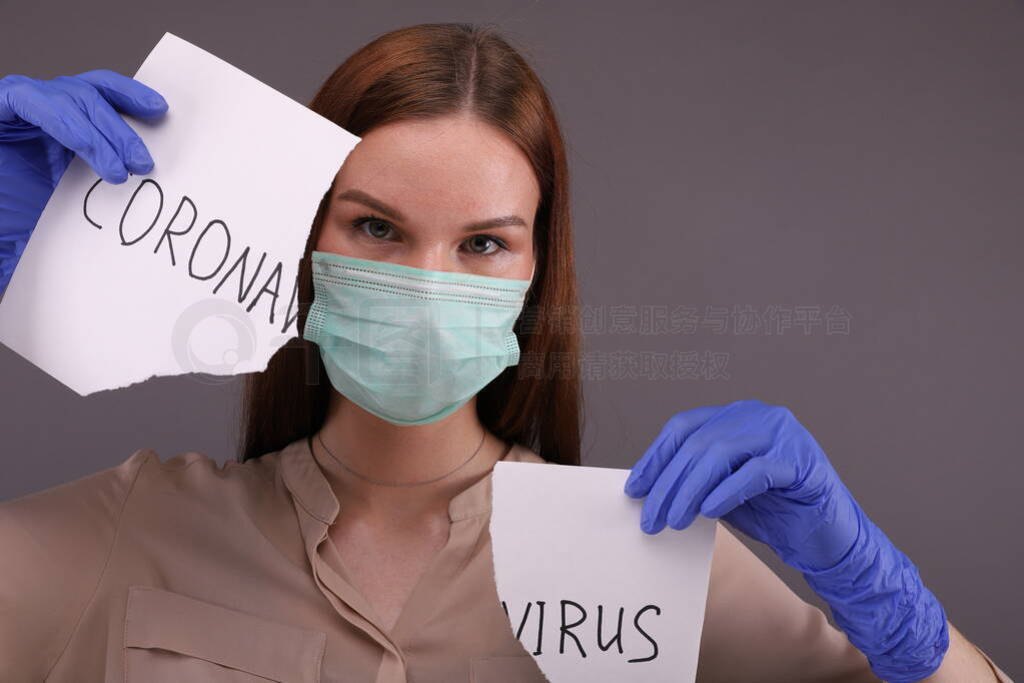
[[146, 182], [636, 622], [213, 245], [169, 231], [574, 624]]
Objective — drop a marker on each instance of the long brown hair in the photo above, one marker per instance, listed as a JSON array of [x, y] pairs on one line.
[[420, 72]]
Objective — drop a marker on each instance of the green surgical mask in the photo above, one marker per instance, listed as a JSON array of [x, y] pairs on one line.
[[410, 345]]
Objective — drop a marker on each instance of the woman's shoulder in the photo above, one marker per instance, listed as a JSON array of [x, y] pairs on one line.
[[71, 504], [521, 453], [194, 470], [193, 485], [97, 500]]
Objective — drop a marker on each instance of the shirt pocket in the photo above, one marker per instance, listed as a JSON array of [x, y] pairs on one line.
[[505, 669], [170, 637]]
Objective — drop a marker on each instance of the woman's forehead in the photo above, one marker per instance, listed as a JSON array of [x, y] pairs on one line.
[[451, 160]]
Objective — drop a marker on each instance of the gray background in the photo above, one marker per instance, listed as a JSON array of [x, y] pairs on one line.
[[865, 155]]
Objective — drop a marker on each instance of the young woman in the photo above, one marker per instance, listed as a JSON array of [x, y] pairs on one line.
[[349, 542]]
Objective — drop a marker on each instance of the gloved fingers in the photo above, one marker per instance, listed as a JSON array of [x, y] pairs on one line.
[[58, 115], [126, 94], [125, 141], [664, 490], [712, 466], [677, 428], [753, 478]]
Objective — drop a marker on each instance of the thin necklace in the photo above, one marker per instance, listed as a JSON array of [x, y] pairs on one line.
[[399, 483]]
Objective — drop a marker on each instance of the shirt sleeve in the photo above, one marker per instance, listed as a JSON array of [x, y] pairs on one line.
[[757, 629], [54, 546]]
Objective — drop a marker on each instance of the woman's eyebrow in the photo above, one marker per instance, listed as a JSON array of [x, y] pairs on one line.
[[365, 199]]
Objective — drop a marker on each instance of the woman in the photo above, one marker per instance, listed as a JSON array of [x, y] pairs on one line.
[[350, 542]]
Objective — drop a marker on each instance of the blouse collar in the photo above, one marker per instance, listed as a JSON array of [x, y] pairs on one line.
[[310, 488]]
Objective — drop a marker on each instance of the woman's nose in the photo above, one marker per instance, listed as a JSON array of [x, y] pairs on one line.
[[431, 259]]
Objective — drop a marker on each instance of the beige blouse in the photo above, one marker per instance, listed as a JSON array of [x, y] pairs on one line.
[[183, 570]]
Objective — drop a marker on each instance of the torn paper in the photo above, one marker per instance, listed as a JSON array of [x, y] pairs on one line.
[[191, 268], [588, 593]]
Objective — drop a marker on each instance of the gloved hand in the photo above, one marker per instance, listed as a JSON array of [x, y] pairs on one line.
[[756, 467], [44, 123]]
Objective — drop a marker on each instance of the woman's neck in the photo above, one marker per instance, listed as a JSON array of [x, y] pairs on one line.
[[383, 451]]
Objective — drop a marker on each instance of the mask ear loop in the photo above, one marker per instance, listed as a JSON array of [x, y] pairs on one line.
[[513, 340], [529, 288]]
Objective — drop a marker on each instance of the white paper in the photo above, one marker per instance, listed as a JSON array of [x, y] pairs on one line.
[[102, 308], [570, 538]]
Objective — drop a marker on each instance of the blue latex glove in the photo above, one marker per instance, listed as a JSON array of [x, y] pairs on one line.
[[43, 124], [756, 467]]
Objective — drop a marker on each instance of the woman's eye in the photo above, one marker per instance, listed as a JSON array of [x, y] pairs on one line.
[[478, 244], [372, 226]]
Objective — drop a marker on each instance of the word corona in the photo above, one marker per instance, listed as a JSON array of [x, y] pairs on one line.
[[213, 245]]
